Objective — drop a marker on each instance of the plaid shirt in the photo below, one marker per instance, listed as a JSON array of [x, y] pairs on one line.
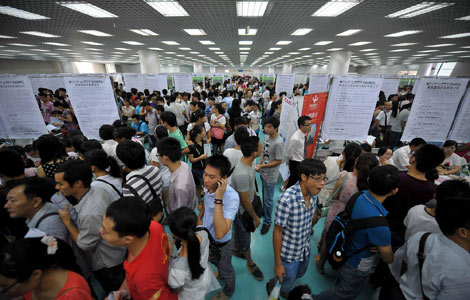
[[296, 220]]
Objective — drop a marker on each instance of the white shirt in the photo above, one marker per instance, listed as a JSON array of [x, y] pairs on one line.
[[418, 219], [116, 182], [266, 95], [206, 126], [178, 110], [452, 161], [295, 150], [164, 171], [401, 158], [381, 118]]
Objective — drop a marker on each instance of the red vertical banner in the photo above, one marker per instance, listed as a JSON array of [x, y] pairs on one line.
[[314, 107]]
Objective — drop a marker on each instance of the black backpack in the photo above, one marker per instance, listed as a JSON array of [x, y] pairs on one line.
[[338, 237]]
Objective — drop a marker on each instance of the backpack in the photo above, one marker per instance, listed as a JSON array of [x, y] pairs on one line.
[[155, 204], [338, 237]]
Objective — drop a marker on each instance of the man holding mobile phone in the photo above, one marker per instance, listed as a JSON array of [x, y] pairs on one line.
[[220, 207]]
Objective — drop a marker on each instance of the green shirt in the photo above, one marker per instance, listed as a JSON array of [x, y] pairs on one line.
[[179, 136]]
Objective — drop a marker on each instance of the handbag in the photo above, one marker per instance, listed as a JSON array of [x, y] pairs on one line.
[[216, 132], [247, 220]]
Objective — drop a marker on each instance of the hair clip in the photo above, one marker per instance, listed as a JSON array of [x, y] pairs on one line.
[[306, 297], [51, 243]]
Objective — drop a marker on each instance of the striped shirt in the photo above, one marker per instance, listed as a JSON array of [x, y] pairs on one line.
[[152, 173]]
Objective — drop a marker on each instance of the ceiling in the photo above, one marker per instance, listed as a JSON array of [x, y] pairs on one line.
[[218, 18]]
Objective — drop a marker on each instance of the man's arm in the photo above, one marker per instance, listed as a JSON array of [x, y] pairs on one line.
[[279, 270], [65, 217], [221, 224], [245, 201], [386, 253]]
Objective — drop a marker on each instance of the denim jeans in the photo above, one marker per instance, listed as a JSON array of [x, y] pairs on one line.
[[294, 270], [396, 138], [349, 284], [243, 237], [268, 198], [225, 268]]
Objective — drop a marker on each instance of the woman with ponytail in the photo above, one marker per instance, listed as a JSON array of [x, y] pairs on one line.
[[41, 269], [107, 172], [189, 272], [197, 157]]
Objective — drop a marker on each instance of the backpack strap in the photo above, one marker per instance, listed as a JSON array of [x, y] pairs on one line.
[[421, 256], [350, 205], [370, 222], [385, 114], [114, 188], [201, 228], [154, 194], [45, 217]]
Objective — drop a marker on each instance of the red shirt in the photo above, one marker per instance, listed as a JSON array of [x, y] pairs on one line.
[[147, 274], [74, 288]]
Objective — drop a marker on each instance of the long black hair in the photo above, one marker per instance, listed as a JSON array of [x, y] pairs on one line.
[[195, 131], [395, 108], [100, 159], [351, 152], [365, 163], [182, 224], [19, 259], [49, 148]]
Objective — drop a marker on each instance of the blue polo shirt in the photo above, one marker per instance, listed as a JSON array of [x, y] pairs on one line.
[[367, 206], [142, 127]]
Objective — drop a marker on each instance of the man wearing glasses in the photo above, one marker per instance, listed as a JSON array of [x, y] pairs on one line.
[[296, 150], [295, 212]]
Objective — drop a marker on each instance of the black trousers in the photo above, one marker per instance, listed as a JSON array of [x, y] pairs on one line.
[[294, 175], [110, 278]]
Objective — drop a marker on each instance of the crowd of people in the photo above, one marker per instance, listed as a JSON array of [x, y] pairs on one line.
[[181, 181]]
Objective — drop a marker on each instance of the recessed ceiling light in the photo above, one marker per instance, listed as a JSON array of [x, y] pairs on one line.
[[418, 9], [403, 44], [403, 33], [360, 43], [334, 49], [322, 43], [168, 8], [214, 48], [91, 43], [458, 51], [367, 50], [155, 49], [144, 32], [20, 45], [94, 49], [7, 37], [170, 52], [245, 42], [172, 43], [40, 50], [41, 34], [439, 45], [185, 48], [15, 12], [318, 53], [207, 42], [444, 55], [95, 32], [244, 52], [399, 50], [251, 8], [304, 49], [424, 54], [349, 32], [195, 31], [334, 8], [302, 31], [122, 49], [426, 51], [283, 42], [180, 55], [467, 18], [88, 9], [194, 52], [219, 52], [456, 36], [275, 49], [294, 53]]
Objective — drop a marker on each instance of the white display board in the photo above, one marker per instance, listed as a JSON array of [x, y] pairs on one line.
[[52, 82], [288, 120], [285, 83], [390, 86], [155, 82], [318, 83], [20, 115], [414, 90], [183, 83], [134, 80], [461, 129], [93, 102], [434, 108], [350, 108]]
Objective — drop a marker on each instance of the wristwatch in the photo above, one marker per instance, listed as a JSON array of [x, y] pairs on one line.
[[218, 201]]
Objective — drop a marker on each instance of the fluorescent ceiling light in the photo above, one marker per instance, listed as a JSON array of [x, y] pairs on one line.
[[42, 50], [244, 48], [168, 8], [403, 44], [41, 34], [185, 48], [251, 8], [349, 32], [194, 52], [21, 45], [439, 45], [302, 31], [304, 49], [318, 53], [173, 43], [219, 52], [274, 49], [122, 49], [195, 31], [456, 36], [7, 37], [170, 52], [251, 31], [334, 49], [424, 54], [15, 12], [399, 50], [360, 43], [94, 49], [156, 49], [403, 33], [367, 50], [144, 32], [322, 43], [418, 9], [245, 43], [283, 42], [335, 8], [294, 53], [467, 18], [368, 54], [88, 9], [426, 51], [244, 52], [207, 42], [458, 51], [214, 48]]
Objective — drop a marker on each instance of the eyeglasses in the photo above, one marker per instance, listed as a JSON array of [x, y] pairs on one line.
[[319, 179], [307, 125], [4, 290]]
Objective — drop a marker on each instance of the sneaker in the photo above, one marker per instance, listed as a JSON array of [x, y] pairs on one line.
[[265, 229], [255, 271], [220, 296]]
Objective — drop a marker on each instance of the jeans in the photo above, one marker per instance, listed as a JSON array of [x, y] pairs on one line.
[[294, 270], [396, 138], [225, 268], [268, 198], [349, 284], [110, 278], [243, 239]]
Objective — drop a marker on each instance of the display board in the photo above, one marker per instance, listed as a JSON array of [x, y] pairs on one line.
[[20, 115], [155, 82], [285, 83], [318, 83], [133, 80], [217, 78], [268, 78], [183, 83], [288, 119], [390, 86], [350, 108], [314, 107], [460, 131], [52, 82], [93, 102], [434, 108]]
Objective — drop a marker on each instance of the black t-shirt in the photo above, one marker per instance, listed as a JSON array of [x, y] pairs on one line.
[[197, 150]]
